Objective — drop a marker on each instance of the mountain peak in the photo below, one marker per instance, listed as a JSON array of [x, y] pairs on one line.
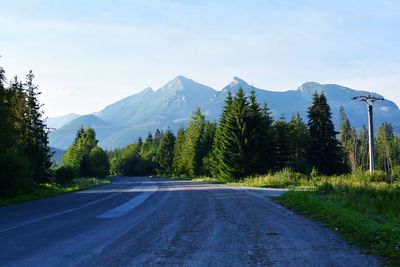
[[310, 87], [181, 83], [148, 90], [237, 80], [182, 78]]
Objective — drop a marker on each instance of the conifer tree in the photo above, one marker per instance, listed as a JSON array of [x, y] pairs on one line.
[[232, 139], [36, 138], [165, 155], [363, 147], [348, 140], [146, 151], [300, 141], [387, 152], [325, 154], [178, 163], [193, 151], [258, 152], [14, 173], [282, 144], [218, 164]]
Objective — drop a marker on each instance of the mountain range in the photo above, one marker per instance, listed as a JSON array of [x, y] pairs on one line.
[[172, 105]]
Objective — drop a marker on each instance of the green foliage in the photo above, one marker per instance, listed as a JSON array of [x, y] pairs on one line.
[[324, 151], [65, 175], [128, 161], [299, 142], [165, 155], [35, 133], [388, 151], [244, 141], [25, 155], [178, 164], [366, 213], [282, 149], [85, 157], [99, 164]]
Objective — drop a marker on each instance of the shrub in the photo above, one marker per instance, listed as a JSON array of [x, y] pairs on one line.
[[65, 175]]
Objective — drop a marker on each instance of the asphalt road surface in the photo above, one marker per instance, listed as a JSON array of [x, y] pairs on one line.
[[160, 222]]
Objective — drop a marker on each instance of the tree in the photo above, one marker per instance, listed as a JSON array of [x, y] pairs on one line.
[[99, 164], [362, 154], [300, 142], [147, 151], [165, 155], [386, 149], [282, 149], [193, 151], [36, 139], [324, 153], [178, 164], [232, 139], [15, 176], [78, 155], [218, 164], [260, 141], [348, 140]]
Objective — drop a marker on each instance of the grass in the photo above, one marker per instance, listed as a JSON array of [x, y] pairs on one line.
[[364, 212], [49, 190], [285, 178]]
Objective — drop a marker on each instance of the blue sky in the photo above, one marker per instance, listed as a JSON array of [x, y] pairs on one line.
[[87, 54]]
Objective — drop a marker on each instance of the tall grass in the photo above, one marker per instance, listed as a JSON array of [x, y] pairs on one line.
[[364, 208]]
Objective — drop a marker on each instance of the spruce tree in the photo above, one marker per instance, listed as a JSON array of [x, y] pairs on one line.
[[258, 152], [386, 149], [15, 176], [146, 151], [218, 164], [362, 155], [178, 163], [348, 140], [193, 151], [300, 141], [325, 154], [232, 139], [282, 144], [165, 155], [36, 133]]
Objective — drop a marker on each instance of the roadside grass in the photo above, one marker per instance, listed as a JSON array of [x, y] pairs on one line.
[[51, 189], [285, 178]]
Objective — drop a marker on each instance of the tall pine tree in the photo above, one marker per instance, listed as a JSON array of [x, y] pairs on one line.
[[36, 139], [325, 153], [165, 155]]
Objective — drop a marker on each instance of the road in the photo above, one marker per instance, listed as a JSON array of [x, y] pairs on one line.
[[161, 222]]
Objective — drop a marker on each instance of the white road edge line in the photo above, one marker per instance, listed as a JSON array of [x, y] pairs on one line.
[[119, 211]]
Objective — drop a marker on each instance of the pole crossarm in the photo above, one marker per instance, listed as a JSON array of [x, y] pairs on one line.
[[370, 100]]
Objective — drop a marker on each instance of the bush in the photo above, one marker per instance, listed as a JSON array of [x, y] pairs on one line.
[[15, 176], [65, 175]]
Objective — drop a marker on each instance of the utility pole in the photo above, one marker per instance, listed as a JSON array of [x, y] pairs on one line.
[[370, 100]]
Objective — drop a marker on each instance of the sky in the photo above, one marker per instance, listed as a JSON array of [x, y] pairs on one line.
[[88, 54]]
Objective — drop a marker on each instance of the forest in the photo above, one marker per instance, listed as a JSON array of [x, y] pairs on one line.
[[245, 142]]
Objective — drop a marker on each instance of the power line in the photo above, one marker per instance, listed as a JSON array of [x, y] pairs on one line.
[[370, 100]]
